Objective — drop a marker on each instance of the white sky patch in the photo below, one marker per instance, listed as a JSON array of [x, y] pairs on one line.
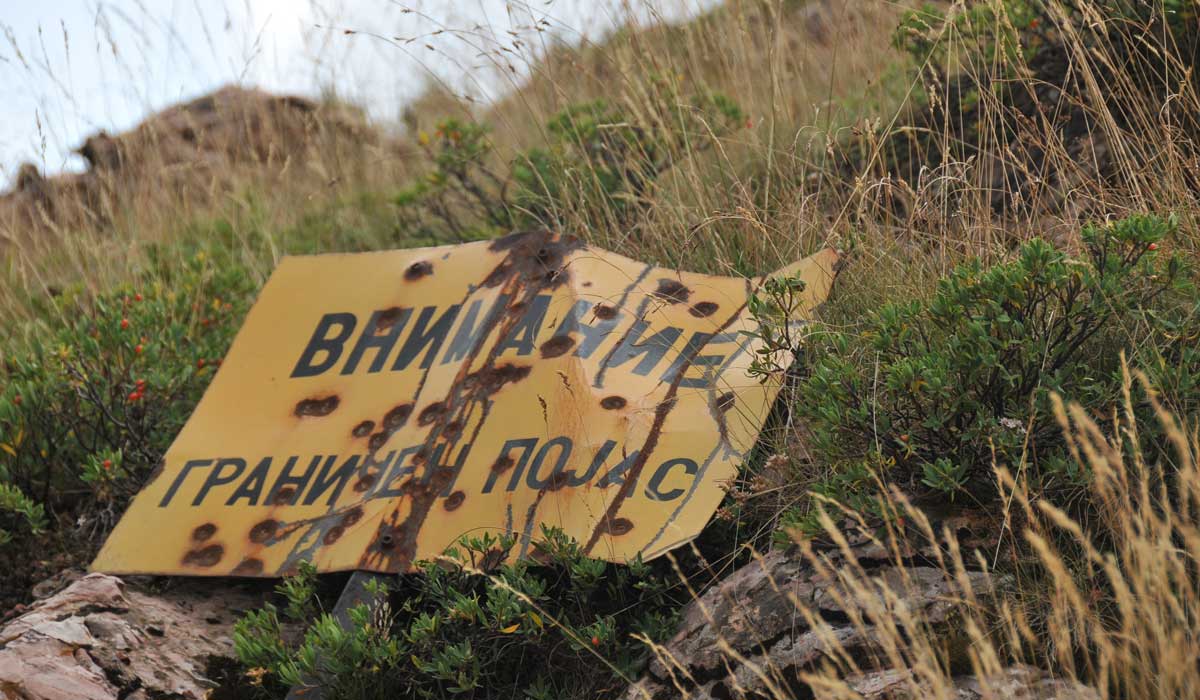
[[69, 68]]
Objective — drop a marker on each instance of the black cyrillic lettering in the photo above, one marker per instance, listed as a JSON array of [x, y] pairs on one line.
[[394, 321], [524, 335], [652, 350], [321, 341], [399, 469], [503, 463], [593, 335], [325, 480], [616, 475], [423, 336], [653, 489], [252, 486], [468, 332], [217, 477], [288, 479], [690, 357], [564, 445], [597, 462], [187, 467]]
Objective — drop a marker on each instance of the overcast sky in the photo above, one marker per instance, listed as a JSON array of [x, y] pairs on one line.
[[72, 67]]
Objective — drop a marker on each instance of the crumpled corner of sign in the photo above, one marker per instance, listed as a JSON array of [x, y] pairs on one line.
[[819, 270]]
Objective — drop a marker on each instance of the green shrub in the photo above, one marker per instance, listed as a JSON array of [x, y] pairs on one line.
[[89, 404], [471, 625], [926, 394], [598, 166]]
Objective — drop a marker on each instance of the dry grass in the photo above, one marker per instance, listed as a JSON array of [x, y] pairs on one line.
[[1110, 605]]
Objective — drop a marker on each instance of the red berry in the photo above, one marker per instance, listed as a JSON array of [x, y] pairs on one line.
[[217, 362], [17, 399], [200, 363], [124, 323], [1152, 246], [134, 396], [137, 297], [138, 349], [595, 641], [140, 383], [108, 464]]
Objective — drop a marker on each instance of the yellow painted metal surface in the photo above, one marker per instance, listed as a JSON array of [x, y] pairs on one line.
[[376, 407]]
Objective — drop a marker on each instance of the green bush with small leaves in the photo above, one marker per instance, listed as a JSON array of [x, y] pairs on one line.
[[472, 624], [598, 166], [928, 394], [88, 406]]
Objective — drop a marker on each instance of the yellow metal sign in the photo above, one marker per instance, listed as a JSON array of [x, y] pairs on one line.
[[376, 407]]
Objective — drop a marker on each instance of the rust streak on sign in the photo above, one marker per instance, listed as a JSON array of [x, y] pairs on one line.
[[375, 407]]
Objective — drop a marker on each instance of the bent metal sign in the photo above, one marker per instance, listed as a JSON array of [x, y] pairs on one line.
[[376, 407]]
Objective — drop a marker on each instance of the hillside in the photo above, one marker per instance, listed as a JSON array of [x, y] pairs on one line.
[[978, 480]]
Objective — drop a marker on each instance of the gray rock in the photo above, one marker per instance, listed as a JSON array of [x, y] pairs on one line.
[[747, 637], [99, 639]]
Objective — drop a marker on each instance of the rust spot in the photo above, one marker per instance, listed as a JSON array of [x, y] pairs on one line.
[[397, 417], [503, 464], [672, 291], [703, 309], [387, 318], [498, 275], [364, 482], [557, 346], [352, 516], [431, 413], [617, 526], [604, 312], [317, 407], [612, 403], [725, 401], [453, 430], [335, 533], [284, 496], [363, 429], [206, 557], [378, 440], [204, 532], [418, 270], [492, 379], [538, 257], [248, 567], [263, 531], [454, 500]]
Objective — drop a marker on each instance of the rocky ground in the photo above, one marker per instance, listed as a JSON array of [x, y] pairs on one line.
[[101, 638], [96, 637]]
